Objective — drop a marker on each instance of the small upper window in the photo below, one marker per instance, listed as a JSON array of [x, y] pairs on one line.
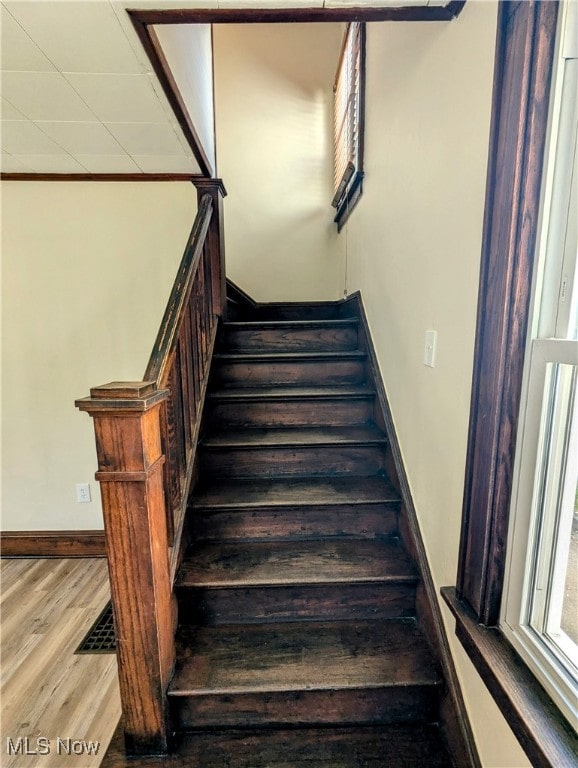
[[348, 119]]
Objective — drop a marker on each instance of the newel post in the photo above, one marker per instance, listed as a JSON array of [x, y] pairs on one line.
[[216, 240], [130, 472]]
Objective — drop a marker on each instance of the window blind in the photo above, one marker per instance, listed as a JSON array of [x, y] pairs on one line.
[[347, 105]]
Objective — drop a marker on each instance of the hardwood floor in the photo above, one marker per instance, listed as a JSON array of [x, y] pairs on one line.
[[48, 693]]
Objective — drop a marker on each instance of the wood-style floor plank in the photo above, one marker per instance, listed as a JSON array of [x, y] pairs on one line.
[[48, 691]]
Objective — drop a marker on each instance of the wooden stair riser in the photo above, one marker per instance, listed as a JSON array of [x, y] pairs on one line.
[[291, 413], [335, 602], [293, 461], [363, 706], [362, 521], [267, 372], [292, 339]]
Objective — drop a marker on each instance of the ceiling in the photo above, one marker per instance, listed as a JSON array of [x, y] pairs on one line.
[[79, 94]]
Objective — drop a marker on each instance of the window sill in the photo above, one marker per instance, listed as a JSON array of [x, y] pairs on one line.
[[542, 731], [345, 208]]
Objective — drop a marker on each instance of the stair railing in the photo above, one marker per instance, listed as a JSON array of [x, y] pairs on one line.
[[146, 436]]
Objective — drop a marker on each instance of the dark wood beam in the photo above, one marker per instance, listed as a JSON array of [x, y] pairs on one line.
[[99, 177], [298, 15]]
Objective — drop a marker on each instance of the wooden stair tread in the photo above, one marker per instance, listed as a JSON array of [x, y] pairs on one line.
[[294, 436], [326, 491], [290, 393], [302, 656], [288, 356], [399, 746], [281, 324], [307, 561]]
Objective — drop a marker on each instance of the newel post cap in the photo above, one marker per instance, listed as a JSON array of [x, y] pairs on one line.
[[123, 396]]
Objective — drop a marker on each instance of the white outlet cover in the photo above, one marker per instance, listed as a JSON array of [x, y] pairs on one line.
[[429, 353]]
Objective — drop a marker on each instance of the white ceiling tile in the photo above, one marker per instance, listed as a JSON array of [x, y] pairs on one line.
[[8, 112], [166, 164], [51, 163], [21, 137], [9, 164], [375, 3], [119, 98], [159, 5], [17, 50], [272, 3], [108, 163], [146, 138], [77, 36], [82, 138], [44, 96]]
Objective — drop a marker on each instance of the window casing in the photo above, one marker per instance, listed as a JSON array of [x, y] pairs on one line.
[[537, 616], [348, 123]]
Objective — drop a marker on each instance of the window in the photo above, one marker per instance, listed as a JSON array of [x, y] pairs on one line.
[[348, 109], [540, 611]]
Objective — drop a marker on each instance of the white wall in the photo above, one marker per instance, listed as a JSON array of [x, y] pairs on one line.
[[189, 54], [274, 142], [87, 269], [414, 251]]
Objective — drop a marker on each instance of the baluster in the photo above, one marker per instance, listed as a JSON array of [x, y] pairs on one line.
[[183, 385], [166, 450], [216, 241]]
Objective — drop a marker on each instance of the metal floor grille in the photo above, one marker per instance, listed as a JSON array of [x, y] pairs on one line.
[[100, 637]]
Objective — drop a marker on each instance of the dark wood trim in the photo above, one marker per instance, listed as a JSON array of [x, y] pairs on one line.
[[99, 177], [154, 51], [304, 15], [523, 69], [544, 735], [52, 544], [238, 296], [210, 185], [454, 719]]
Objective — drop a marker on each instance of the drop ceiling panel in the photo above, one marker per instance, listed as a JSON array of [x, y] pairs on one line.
[[108, 163], [72, 34], [375, 3], [21, 137], [119, 98], [51, 163], [82, 138], [44, 96], [18, 51], [273, 3], [146, 138], [166, 164], [8, 112], [9, 164]]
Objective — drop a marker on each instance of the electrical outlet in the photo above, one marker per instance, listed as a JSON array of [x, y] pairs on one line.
[[429, 354], [83, 493]]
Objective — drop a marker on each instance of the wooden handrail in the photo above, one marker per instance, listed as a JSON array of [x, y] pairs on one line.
[[146, 439], [166, 339]]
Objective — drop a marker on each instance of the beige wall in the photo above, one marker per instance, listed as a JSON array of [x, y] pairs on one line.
[[189, 53], [274, 147], [414, 251], [87, 269]]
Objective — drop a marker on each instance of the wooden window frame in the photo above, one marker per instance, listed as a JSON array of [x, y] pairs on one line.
[[524, 60], [348, 191]]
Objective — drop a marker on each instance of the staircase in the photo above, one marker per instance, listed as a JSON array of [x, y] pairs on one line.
[[298, 643]]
